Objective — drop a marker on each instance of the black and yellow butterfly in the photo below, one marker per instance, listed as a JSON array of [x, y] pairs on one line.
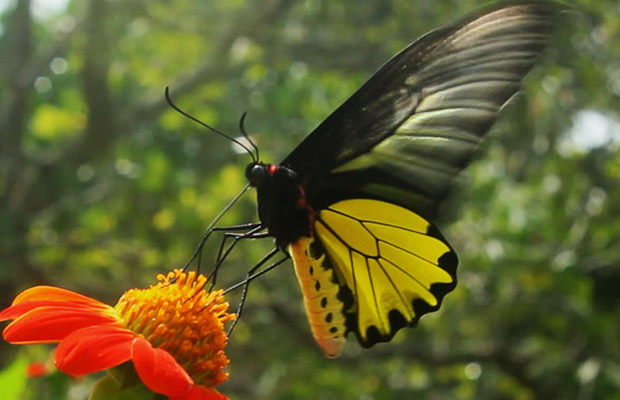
[[352, 204]]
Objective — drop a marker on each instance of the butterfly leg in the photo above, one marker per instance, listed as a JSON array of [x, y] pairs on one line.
[[222, 254], [252, 274], [252, 233], [197, 254]]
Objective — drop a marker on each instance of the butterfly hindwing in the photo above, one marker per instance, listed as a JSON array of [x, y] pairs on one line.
[[390, 259]]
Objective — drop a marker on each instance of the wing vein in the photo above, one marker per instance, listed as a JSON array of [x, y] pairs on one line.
[[374, 293], [389, 278], [367, 221], [407, 251], [409, 275]]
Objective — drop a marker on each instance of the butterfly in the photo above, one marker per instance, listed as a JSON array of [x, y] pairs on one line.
[[353, 204]]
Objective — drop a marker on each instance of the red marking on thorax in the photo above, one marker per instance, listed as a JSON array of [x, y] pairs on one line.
[[272, 169], [302, 203]]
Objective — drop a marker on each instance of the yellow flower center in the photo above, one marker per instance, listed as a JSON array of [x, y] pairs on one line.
[[179, 316]]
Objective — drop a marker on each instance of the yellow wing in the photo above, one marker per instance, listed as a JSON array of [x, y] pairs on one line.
[[396, 265]]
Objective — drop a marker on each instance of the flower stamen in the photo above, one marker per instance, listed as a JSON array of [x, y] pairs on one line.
[[180, 317]]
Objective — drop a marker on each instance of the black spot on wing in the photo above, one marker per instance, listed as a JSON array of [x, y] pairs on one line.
[[316, 250], [346, 296], [432, 231], [448, 261], [373, 336], [397, 320]]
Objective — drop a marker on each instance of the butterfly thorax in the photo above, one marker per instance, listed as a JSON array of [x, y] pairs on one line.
[[282, 204]]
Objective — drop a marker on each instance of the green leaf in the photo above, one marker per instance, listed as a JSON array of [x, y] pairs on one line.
[[13, 379]]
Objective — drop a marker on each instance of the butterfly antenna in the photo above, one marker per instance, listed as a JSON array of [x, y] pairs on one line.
[[247, 137], [212, 129]]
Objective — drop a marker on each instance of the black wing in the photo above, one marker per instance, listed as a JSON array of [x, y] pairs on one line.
[[416, 123]]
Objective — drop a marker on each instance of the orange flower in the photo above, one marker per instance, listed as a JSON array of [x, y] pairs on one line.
[[36, 369], [173, 332]]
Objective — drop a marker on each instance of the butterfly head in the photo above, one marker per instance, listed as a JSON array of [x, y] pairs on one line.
[[257, 172]]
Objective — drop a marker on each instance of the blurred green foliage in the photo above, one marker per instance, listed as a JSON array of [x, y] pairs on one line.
[[102, 186]]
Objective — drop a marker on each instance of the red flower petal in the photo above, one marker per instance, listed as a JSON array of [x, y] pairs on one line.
[[94, 349], [54, 293], [20, 309], [158, 370], [54, 323], [201, 393], [40, 296]]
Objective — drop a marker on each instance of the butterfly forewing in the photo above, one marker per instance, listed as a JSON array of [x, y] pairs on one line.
[[418, 121]]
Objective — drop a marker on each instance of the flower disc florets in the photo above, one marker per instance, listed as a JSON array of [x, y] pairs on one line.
[[179, 316]]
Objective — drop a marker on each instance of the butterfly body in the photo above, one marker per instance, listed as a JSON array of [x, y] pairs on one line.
[[282, 204], [353, 204]]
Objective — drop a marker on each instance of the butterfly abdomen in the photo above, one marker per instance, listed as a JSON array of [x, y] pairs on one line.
[[320, 292]]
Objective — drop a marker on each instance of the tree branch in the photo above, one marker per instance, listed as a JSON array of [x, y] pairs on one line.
[[14, 111], [216, 63]]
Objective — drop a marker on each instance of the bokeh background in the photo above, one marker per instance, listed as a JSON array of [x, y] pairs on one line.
[[102, 186]]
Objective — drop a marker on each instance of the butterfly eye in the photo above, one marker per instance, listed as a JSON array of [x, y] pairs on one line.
[[256, 174]]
